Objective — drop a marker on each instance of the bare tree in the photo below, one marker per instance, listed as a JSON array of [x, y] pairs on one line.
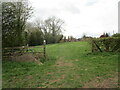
[[52, 28]]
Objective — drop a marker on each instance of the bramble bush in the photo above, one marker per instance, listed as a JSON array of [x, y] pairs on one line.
[[109, 44]]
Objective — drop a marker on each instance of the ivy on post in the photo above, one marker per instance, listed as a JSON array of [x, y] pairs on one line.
[[44, 43]]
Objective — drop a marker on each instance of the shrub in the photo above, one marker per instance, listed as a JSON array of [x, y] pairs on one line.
[[35, 38], [116, 35], [106, 44]]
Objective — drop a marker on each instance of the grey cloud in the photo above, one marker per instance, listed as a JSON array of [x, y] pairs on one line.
[[91, 2], [47, 11], [71, 8]]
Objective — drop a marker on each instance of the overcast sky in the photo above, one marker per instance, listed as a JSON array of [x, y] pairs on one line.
[[90, 17]]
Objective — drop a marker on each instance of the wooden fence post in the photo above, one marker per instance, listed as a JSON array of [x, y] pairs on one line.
[[44, 42], [92, 46]]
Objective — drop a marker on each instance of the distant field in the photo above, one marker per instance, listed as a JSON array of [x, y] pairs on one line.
[[70, 65]]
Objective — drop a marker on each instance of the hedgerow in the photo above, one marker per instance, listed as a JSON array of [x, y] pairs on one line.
[[106, 44]]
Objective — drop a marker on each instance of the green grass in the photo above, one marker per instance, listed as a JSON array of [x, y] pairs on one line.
[[69, 65]]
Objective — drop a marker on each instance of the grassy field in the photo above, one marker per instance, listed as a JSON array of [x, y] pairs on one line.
[[70, 65]]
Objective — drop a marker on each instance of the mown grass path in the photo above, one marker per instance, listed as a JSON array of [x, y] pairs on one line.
[[70, 65]]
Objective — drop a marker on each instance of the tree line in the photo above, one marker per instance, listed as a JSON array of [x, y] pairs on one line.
[[49, 29], [16, 31]]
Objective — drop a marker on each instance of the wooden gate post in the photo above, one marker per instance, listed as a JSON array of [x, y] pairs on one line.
[[44, 42]]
